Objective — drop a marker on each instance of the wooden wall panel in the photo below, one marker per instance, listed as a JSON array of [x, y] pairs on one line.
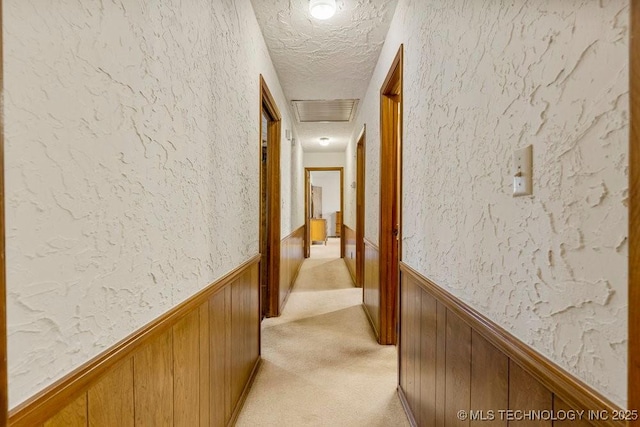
[[291, 258], [427, 355], [371, 285], [190, 367], [153, 382], [457, 370], [227, 358], [186, 368], [441, 361], [412, 346], [560, 407], [254, 317], [525, 394], [241, 361], [218, 355], [244, 349], [237, 356], [406, 337], [285, 278], [453, 359], [350, 251], [418, 335], [204, 351], [111, 399], [489, 382], [74, 415]]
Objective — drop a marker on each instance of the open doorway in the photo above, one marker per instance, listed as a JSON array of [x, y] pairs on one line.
[[323, 212]]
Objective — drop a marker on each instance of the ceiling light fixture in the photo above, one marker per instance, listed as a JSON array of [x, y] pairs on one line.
[[324, 141], [322, 9]]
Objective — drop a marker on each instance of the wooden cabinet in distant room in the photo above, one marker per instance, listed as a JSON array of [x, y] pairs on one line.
[[338, 223], [318, 230]]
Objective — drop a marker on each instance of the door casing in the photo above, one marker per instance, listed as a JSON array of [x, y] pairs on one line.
[[360, 177], [390, 198], [271, 308]]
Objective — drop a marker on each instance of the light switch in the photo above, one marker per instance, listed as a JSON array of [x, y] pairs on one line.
[[523, 171]]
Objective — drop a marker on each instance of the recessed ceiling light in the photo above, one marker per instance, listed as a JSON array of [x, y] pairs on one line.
[[324, 141], [322, 9]]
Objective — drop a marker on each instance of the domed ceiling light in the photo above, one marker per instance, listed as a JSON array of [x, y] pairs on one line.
[[322, 9], [324, 141]]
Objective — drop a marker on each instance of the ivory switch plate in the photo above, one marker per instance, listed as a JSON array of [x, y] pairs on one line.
[[523, 171]]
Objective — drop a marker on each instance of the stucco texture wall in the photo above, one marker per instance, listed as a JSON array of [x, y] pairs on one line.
[[132, 160], [321, 159], [297, 185], [350, 165], [480, 80]]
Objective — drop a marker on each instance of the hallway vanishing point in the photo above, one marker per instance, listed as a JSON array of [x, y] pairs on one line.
[[321, 365]]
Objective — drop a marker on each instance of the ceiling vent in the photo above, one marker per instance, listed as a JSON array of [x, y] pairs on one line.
[[323, 111]]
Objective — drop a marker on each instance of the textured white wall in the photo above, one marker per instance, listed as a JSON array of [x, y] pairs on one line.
[[132, 168], [350, 172], [297, 185], [320, 160], [482, 79], [291, 172]]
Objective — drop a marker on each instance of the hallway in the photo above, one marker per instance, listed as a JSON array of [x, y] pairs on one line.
[[157, 205], [321, 364]]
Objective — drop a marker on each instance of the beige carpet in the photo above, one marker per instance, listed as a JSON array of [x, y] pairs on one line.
[[321, 365], [330, 250]]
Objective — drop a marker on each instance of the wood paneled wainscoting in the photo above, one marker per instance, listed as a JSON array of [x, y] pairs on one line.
[[291, 258], [371, 285], [454, 359], [191, 367], [350, 251]]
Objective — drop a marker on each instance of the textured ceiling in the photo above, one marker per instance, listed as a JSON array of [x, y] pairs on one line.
[[330, 59]]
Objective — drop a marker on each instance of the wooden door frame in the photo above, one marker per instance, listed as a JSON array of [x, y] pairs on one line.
[[360, 199], [390, 198], [307, 228], [268, 105], [633, 401]]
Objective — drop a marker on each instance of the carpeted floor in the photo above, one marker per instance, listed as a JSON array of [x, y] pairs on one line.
[[321, 364], [330, 250]]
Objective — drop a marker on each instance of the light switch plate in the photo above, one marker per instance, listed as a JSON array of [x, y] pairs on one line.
[[523, 171]]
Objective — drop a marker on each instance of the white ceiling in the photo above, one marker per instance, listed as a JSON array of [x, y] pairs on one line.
[[331, 59]]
